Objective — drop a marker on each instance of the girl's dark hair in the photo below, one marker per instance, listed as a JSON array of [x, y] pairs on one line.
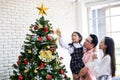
[[110, 50], [80, 36]]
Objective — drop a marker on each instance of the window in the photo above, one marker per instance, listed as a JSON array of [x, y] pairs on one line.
[[104, 20]]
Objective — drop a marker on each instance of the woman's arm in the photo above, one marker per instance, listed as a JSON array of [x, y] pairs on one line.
[[100, 67]]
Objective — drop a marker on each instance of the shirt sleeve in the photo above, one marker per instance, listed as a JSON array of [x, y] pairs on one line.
[[63, 44], [89, 57], [100, 67]]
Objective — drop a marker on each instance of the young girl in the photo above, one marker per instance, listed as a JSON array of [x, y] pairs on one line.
[[76, 51], [104, 69]]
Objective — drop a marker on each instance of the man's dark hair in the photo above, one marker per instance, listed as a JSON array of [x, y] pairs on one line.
[[94, 39]]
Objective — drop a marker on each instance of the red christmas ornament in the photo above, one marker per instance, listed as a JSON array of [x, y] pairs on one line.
[[53, 49], [42, 65], [40, 39], [53, 41], [49, 77], [35, 27], [26, 61], [48, 37], [61, 71], [46, 29], [65, 76], [18, 62], [52, 31], [19, 57], [20, 77]]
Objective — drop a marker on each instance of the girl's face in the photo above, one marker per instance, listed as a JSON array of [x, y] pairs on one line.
[[75, 38], [102, 45]]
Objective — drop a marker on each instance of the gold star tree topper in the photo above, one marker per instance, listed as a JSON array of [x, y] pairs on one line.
[[42, 9]]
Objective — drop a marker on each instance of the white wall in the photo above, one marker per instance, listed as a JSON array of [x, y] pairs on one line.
[[82, 19], [15, 18]]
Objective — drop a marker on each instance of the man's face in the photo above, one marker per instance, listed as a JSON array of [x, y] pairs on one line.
[[88, 43]]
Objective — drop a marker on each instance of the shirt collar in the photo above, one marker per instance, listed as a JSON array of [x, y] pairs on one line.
[[77, 44], [92, 50]]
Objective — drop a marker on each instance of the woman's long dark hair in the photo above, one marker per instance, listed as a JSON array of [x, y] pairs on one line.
[[110, 50]]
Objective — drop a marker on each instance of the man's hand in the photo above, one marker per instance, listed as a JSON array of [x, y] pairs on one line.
[[83, 71]]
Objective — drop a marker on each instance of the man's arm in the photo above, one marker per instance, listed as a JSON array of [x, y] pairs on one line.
[[83, 71]]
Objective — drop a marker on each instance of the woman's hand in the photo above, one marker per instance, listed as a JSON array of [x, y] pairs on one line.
[[95, 56]]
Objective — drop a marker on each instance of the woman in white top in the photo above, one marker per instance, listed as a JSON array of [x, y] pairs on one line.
[[105, 68]]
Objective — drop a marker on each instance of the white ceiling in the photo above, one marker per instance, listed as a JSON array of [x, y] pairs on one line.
[[83, 0], [89, 1]]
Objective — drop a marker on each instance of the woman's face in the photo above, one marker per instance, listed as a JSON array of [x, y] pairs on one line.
[[102, 44], [75, 38]]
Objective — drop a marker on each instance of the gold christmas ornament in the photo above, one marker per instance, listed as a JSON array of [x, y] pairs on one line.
[[29, 51], [26, 70], [57, 67], [48, 47], [46, 56], [42, 9], [58, 61], [35, 71], [40, 26], [58, 32]]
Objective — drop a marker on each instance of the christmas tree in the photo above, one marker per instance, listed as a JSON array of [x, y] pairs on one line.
[[39, 59]]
